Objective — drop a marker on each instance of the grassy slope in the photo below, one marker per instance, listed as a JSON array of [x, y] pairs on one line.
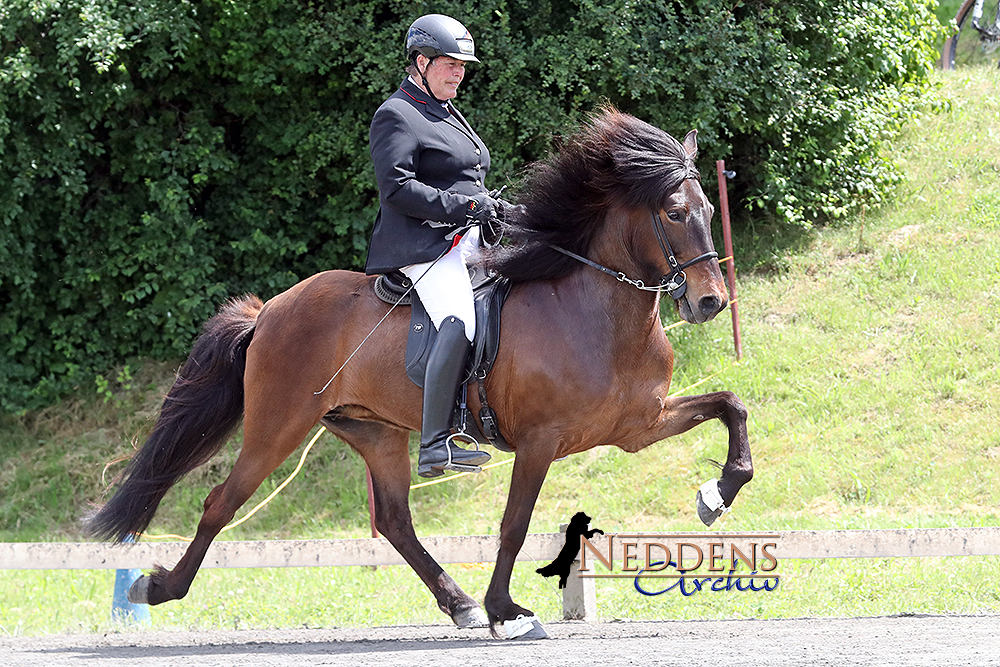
[[872, 373]]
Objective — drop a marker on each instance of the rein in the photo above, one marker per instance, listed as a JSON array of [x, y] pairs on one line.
[[674, 283]]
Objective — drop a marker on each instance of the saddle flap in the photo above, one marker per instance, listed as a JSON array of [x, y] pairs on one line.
[[419, 341], [489, 304], [489, 299]]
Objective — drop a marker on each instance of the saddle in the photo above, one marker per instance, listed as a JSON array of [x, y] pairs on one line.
[[490, 291]]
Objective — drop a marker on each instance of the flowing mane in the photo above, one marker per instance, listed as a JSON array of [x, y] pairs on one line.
[[614, 160]]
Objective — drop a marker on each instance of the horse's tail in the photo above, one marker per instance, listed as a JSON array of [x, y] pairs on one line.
[[200, 412]]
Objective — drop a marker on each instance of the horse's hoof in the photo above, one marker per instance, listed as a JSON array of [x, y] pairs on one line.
[[525, 627], [709, 502], [138, 592], [706, 515], [473, 617]]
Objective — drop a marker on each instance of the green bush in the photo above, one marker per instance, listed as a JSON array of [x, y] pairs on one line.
[[157, 156]]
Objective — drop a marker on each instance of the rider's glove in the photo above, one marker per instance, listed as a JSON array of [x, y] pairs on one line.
[[482, 209], [507, 210]]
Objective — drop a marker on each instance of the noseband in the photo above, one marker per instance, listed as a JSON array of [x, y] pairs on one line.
[[673, 283]]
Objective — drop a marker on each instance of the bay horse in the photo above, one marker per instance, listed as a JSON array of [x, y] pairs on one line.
[[612, 218]]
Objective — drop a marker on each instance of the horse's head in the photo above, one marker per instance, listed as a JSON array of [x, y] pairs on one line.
[[683, 232], [668, 223]]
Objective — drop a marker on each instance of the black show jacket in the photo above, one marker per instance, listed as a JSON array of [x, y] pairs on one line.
[[428, 164]]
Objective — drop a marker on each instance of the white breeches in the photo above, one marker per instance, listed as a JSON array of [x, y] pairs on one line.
[[444, 286]]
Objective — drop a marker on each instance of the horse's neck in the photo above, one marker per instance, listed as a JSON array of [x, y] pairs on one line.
[[621, 312], [627, 306]]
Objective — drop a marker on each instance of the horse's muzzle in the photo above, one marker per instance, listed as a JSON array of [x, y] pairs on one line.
[[710, 306], [699, 309]]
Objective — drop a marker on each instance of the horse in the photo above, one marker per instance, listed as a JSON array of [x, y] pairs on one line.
[[611, 219]]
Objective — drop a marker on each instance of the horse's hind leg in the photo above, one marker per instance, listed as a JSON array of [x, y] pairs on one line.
[[266, 443], [385, 450]]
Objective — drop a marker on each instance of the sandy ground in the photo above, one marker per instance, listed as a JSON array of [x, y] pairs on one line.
[[884, 641]]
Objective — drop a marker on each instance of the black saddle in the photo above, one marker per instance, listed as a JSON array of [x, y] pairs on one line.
[[490, 292]]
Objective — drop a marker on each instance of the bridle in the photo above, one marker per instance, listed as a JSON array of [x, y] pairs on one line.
[[673, 283]]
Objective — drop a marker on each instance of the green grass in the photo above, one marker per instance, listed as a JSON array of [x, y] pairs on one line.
[[872, 375], [77, 602]]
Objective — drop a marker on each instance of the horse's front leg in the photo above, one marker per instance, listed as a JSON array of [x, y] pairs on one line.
[[530, 468], [683, 413]]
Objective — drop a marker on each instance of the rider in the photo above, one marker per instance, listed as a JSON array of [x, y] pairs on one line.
[[430, 166]]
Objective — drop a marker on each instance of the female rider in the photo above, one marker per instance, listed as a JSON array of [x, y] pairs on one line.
[[431, 166]]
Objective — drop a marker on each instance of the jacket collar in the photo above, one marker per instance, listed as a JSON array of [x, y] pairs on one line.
[[418, 96], [447, 113]]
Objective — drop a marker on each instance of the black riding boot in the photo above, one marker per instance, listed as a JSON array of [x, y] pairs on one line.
[[445, 370]]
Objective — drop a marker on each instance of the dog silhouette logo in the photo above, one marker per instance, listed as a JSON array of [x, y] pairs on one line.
[[561, 565]]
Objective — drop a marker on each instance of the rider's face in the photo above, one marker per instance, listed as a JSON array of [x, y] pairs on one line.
[[443, 74]]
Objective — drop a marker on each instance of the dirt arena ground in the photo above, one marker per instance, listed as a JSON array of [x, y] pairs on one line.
[[869, 642]]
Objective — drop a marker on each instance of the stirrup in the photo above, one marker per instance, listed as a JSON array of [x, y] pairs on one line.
[[464, 467], [461, 467], [436, 470]]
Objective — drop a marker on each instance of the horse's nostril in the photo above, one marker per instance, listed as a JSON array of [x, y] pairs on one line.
[[710, 305]]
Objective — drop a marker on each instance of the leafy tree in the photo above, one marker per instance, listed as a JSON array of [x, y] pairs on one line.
[[157, 156]]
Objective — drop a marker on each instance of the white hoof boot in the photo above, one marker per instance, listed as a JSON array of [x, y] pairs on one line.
[[709, 502], [525, 627]]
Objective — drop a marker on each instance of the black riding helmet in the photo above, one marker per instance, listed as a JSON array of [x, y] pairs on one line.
[[435, 35]]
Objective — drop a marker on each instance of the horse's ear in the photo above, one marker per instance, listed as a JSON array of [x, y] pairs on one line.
[[691, 143]]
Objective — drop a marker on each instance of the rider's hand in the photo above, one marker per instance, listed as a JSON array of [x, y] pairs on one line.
[[482, 209], [507, 210]]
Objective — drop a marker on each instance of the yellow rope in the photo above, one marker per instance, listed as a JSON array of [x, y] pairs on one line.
[[700, 382], [302, 460]]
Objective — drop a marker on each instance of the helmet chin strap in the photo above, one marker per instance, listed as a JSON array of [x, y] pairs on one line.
[[423, 79]]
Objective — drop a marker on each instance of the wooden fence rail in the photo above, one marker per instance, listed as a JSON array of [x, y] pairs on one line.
[[579, 597], [793, 544]]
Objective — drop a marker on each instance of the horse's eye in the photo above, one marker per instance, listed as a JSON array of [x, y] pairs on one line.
[[675, 216]]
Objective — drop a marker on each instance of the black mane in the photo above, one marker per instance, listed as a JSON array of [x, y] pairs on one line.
[[614, 160]]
